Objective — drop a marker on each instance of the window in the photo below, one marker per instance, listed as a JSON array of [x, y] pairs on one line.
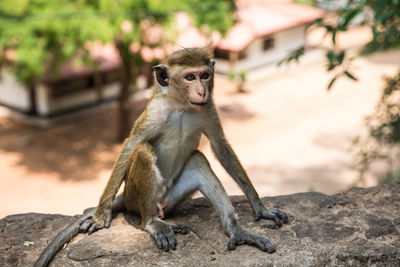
[[67, 86], [85, 82], [221, 54], [242, 54], [224, 54], [268, 43]]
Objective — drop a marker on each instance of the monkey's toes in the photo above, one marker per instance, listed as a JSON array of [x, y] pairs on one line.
[[85, 225], [166, 240], [180, 228], [280, 214], [89, 226], [261, 242], [274, 214]]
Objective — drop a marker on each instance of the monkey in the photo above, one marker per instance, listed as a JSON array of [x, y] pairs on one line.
[[161, 166]]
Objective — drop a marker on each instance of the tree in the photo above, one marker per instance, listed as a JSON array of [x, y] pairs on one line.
[[45, 34], [139, 17], [383, 18], [37, 36]]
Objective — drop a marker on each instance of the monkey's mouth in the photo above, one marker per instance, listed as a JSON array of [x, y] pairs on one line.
[[198, 104]]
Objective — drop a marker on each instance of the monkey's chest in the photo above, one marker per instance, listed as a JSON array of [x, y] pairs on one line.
[[177, 142]]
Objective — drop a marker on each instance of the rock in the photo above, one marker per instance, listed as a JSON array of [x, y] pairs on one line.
[[359, 227]]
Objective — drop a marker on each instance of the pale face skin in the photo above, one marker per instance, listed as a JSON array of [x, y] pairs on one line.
[[194, 84], [196, 80]]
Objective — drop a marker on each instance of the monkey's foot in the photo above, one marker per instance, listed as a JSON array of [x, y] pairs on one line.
[[93, 223], [164, 233], [242, 236], [274, 214]]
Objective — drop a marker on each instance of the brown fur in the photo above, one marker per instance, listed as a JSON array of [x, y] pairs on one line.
[[184, 88], [141, 190], [190, 57]]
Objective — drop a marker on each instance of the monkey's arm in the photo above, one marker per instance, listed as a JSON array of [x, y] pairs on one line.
[[102, 216], [145, 129], [225, 154]]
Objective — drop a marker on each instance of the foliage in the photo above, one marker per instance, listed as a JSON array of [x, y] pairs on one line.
[[239, 78], [293, 55], [385, 122], [390, 177], [383, 18], [38, 36], [382, 144], [44, 34], [305, 2]]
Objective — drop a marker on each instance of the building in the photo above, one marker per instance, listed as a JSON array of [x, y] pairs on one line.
[[74, 88], [265, 33]]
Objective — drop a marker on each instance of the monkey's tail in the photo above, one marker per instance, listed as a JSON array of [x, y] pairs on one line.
[[61, 238]]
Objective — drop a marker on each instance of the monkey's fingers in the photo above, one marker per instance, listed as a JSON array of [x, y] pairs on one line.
[[281, 215], [171, 239], [89, 226], [270, 216], [261, 242], [236, 240], [85, 225], [93, 228], [180, 228], [273, 214], [166, 240]]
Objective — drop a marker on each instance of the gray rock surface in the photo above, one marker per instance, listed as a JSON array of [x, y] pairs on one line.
[[359, 227]]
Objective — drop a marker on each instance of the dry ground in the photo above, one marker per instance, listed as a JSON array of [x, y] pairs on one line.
[[289, 132]]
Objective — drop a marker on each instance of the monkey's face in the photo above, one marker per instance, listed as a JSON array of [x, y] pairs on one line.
[[195, 83], [191, 86]]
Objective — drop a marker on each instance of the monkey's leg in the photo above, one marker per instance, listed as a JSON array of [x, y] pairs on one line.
[[144, 187], [198, 174]]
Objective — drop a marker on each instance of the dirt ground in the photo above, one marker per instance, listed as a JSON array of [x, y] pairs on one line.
[[289, 132]]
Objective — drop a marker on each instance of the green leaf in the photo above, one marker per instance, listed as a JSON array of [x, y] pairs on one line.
[[331, 60], [348, 17], [331, 83], [334, 37], [351, 76], [341, 57], [315, 21]]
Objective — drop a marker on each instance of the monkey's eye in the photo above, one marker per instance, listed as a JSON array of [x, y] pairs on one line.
[[205, 76], [190, 77]]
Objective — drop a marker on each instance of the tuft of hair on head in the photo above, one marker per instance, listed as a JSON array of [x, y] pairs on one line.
[[190, 56]]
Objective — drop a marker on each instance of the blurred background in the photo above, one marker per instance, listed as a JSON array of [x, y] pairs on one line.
[[308, 91]]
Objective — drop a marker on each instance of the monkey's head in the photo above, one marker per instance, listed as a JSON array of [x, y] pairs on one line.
[[189, 76]]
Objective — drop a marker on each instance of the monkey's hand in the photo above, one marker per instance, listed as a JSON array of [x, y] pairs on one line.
[[274, 214], [242, 236], [100, 219]]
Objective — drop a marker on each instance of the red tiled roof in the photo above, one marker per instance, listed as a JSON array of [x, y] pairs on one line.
[[262, 17]]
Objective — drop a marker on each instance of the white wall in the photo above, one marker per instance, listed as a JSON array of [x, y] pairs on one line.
[[47, 105], [284, 42], [13, 93]]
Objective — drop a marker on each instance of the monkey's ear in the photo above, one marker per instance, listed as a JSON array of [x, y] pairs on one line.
[[161, 74]]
